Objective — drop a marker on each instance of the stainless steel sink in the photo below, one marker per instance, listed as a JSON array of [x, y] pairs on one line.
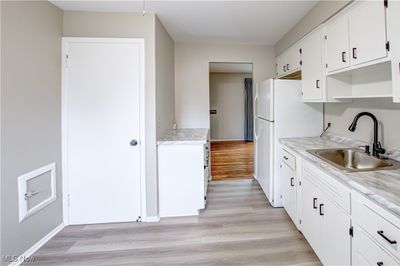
[[354, 160]]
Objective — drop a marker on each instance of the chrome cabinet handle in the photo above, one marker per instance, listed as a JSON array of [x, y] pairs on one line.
[[291, 182], [133, 142], [30, 194], [317, 83], [286, 158], [315, 203]]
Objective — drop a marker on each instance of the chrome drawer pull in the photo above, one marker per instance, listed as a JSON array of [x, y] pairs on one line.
[[392, 242], [286, 158]]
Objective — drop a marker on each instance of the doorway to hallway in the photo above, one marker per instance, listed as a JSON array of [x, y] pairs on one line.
[[231, 120]]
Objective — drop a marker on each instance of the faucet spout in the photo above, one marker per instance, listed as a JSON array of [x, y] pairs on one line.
[[377, 148]]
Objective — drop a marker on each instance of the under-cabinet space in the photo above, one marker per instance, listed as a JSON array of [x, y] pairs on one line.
[[374, 81]]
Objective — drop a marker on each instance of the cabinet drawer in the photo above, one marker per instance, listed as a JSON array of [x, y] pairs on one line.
[[378, 227], [289, 159], [366, 252]]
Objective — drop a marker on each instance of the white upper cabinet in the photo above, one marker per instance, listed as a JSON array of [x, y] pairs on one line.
[[393, 25], [312, 71], [337, 44], [367, 24], [288, 62], [356, 36]]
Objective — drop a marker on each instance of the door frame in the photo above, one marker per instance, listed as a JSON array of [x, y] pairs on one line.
[[64, 118]]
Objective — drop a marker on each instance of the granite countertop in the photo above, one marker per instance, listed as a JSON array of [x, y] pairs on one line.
[[185, 136], [381, 187]]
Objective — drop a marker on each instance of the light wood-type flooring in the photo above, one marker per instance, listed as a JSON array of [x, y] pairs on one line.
[[232, 159], [238, 227]]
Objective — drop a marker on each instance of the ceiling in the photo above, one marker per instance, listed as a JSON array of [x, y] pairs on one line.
[[245, 22], [246, 68]]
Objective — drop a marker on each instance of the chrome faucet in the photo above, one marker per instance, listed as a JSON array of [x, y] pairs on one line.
[[376, 147]]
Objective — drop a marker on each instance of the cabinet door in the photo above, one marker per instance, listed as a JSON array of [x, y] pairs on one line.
[[337, 43], [310, 221], [394, 38], [289, 186], [367, 32], [366, 252], [335, 237], [312, 69], [280, 65], [293, 58]]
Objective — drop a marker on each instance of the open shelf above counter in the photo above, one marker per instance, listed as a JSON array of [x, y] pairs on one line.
[[373, 81]]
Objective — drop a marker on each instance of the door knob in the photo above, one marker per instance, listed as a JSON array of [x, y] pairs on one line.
[[134, 142]]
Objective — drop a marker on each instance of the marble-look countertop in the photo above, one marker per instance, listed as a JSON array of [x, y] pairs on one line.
[[185, 136], [381, 187]]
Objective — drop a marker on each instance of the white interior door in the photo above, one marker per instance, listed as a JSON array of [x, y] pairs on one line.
[[102, 113]]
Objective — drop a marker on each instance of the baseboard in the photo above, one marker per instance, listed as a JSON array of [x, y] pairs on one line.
[[151, 219], [38, 245]]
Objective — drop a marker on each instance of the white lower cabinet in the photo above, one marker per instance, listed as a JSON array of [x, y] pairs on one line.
[[325, 224], [289, 185], [183, 174], [366, 252], [342, 226]]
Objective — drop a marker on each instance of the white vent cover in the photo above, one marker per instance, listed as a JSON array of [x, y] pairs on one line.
[[36, 190]]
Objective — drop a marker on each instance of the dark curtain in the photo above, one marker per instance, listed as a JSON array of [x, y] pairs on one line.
[[248, 126]]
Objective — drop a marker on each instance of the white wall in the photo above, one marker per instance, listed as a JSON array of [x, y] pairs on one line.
[[227, 96], [192, 76], [320, 13], [30, 114], [388, 114], [165, 80]]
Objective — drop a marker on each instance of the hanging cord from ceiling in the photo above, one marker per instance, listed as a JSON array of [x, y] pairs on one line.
[[144, 7]]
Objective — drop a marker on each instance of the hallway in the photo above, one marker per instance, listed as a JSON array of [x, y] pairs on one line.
[[237, 228], [232, 159]]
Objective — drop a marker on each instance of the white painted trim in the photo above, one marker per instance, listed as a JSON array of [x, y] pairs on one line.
[[38, 245], [22, 190], [151, 219], [142, 142]]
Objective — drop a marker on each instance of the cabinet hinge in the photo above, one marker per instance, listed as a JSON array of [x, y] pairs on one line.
[[351, 231], [300, 221], [385, 3], [326, 37], [388, 46], [301, 51], [299, 183], [66, 60], [301, 62], [326, 65]]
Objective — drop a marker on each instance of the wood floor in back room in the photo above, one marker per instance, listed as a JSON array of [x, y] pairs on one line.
[[232, 159], [238, 227]]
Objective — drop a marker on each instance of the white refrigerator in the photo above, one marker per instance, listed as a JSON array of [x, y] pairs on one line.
[[280, 113]]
